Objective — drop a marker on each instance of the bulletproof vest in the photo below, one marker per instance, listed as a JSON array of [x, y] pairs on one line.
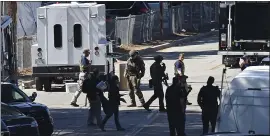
[[158, 69], [133, 67], [82, 67], [182, 69]]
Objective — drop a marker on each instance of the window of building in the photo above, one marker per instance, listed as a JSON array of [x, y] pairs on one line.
[[58, 36], [77, 31]]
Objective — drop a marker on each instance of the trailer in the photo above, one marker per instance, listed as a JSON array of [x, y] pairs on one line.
[[244, 30], [63, 32]]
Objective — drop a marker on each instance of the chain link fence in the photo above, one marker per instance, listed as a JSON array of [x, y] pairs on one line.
[[191, 17], [24, 45], [195, 17]]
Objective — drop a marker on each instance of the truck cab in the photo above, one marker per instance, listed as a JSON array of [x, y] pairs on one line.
[[64, 31], [244, 30]]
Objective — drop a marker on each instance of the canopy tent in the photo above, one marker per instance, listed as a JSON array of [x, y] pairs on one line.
[[245, 104]]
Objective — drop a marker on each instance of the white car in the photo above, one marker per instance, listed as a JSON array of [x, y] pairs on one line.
[[265, 61]]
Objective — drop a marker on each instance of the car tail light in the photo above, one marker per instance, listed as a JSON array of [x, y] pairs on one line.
[[223, 40], [144, 10]]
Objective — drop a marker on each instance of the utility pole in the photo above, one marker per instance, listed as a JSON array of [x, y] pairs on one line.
[[12, 12], [161, 19]]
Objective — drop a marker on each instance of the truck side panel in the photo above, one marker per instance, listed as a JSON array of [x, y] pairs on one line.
[[57, 36], [77, 25], [41, 34]]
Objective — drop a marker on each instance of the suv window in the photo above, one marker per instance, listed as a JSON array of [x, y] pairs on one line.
[[10, 93]]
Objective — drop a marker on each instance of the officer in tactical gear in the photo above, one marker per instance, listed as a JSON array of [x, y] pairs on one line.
[[157, 72], [207, 100], [179, 69], [84, 74], [135, 70]]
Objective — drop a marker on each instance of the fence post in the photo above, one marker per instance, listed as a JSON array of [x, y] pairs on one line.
[[129, 19], [115, 29]]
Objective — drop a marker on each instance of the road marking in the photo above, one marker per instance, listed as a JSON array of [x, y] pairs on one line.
[[213, 68], [150, 118]]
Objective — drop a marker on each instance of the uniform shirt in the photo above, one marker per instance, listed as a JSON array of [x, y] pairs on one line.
[[84, 64], [208, 96], [179, 66], [134, 67]]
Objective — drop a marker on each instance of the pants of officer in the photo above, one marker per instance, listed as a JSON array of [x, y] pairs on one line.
[[209, 115], [176, 123], [82, 77], [134, 86], [158, 93], [95, 112], [115, 112]]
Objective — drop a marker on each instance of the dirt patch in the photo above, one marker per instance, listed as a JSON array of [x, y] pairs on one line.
[[25, 72]]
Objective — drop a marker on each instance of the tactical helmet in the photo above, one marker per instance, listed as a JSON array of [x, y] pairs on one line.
[[133, 52], [158, 58]]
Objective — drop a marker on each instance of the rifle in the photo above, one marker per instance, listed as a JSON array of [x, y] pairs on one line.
[[164, 80]]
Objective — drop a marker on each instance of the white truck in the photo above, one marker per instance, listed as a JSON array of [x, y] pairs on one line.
[[63, 32]]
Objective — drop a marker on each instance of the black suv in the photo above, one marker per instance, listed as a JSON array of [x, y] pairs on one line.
[[15, 97], [15, 123]]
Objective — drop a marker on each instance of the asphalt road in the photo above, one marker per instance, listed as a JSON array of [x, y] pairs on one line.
[[201, 61]]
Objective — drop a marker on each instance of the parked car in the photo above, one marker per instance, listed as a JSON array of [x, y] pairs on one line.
[[15, 97], [4, 129], [16, 123], [265, 61]]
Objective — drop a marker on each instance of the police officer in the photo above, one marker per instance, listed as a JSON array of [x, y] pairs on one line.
[[84, 73], [207, 100], [135, 70], [179, 69], [157, 72], [176, 103]]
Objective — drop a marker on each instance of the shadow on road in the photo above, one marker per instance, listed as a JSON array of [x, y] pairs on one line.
[[73, 121], [159, 126]]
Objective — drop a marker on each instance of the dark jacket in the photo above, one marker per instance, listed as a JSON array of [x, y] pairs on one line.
[[175, 98], [208, 96], [157, 72], [113, 94], [92, 90]]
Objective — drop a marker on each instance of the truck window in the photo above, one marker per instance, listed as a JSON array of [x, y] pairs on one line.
[[77, 32], [57, 36]]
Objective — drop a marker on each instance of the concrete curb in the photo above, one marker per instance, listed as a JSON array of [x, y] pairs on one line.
[[174, 43]]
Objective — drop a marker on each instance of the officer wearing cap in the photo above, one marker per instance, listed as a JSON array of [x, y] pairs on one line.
[[179, 69], [84, 74], [157, 72], [135, 70]]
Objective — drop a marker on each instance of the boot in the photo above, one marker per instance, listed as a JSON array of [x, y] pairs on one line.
[[133, 104], [101, 126], [142, 102], [162, 110], [146, 107]]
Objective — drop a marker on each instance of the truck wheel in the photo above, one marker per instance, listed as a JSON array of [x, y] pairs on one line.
[[47, 85], [39, 84]]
